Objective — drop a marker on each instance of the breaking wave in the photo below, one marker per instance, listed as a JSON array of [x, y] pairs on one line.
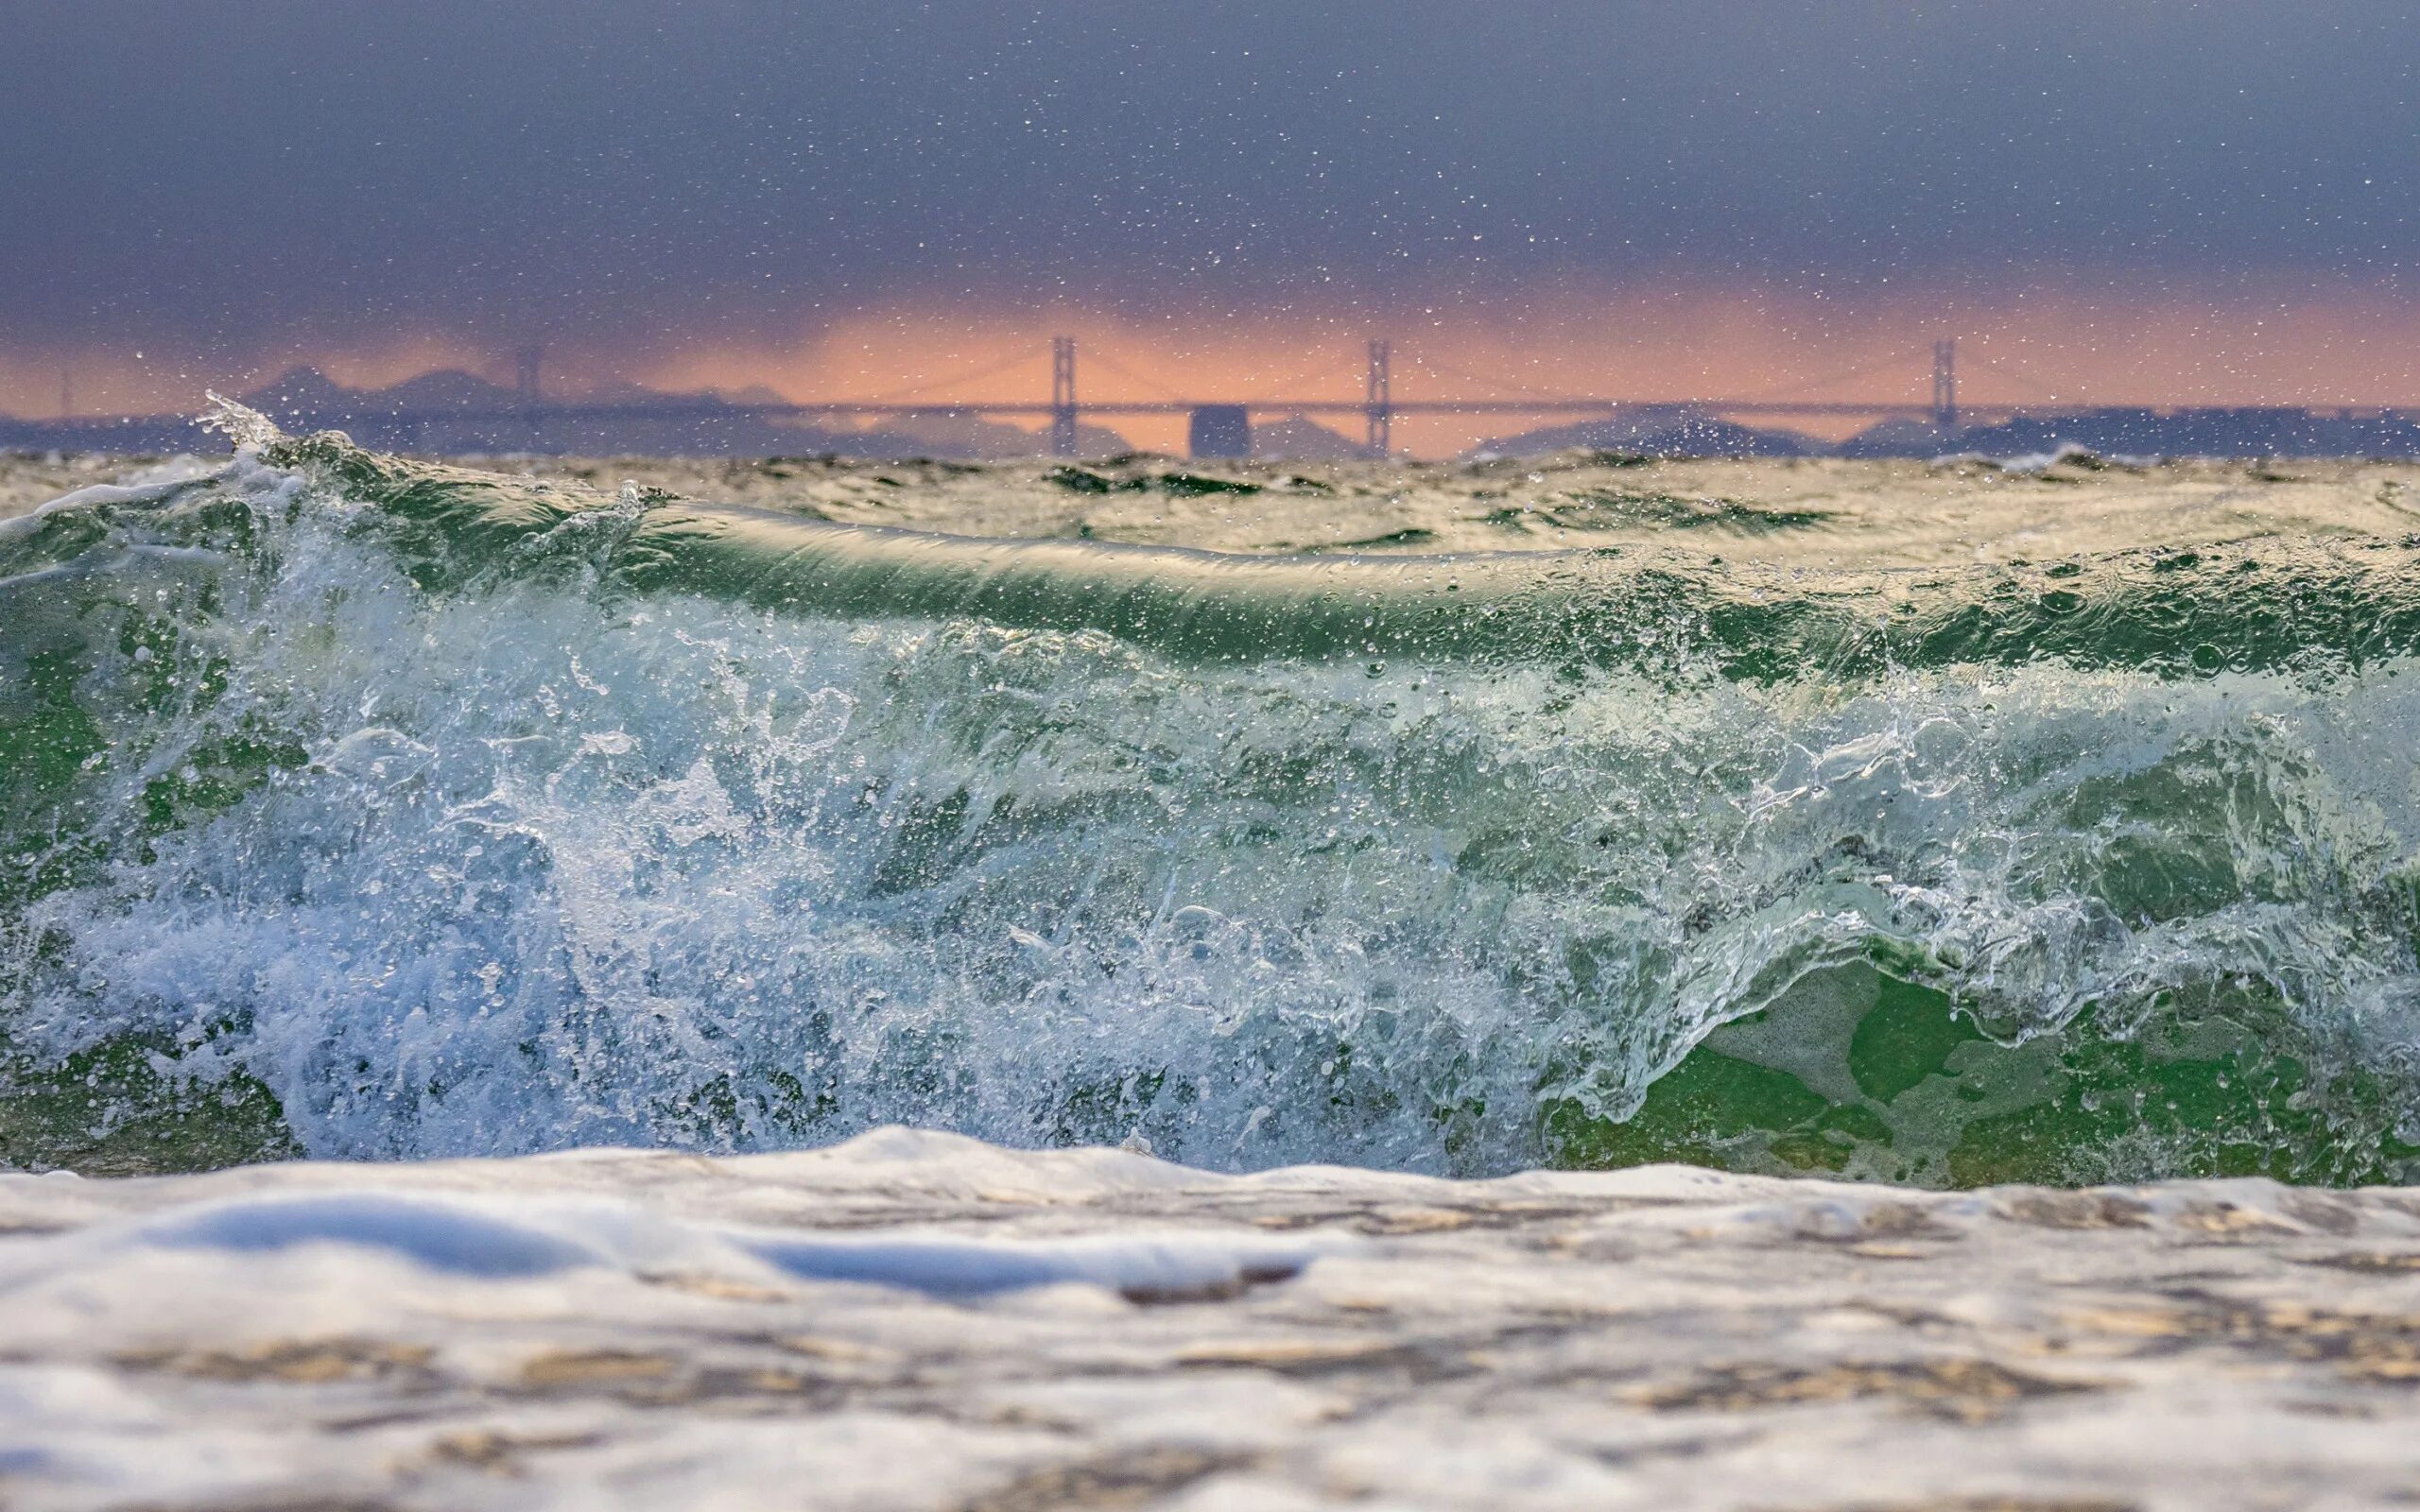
[[368, 808]]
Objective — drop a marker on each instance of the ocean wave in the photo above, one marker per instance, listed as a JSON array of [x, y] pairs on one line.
[[368, 808]]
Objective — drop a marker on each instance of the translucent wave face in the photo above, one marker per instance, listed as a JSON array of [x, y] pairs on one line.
[[328, 838]]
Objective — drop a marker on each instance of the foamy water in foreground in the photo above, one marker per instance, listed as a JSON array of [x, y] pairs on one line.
[[914, 1321]]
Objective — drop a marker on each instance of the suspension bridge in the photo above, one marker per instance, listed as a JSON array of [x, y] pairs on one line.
[[1216, 425], [1223, 426]]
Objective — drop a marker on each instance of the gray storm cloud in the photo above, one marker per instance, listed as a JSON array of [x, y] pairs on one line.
[[270, 170]]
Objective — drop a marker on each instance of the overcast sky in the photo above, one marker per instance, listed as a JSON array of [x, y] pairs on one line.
[[660, 188]]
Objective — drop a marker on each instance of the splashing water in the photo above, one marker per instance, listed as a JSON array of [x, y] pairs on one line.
[[366, 808]]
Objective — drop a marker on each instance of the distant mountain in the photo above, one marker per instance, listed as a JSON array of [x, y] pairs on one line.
[[1901, 436], [309, 391], [1659, 431], [446, 388], [2208, 432], [989, 441], [622, 391], [1300, 438], [300, 391], [450, 412]]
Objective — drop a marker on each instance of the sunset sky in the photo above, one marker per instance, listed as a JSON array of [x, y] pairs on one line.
[[2129, 200]]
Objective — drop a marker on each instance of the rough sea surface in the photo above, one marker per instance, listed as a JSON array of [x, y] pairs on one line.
[[2036, 843], [911, 1321], [2048, 821]]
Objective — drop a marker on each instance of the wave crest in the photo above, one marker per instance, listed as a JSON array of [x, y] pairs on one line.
[[372, 808]]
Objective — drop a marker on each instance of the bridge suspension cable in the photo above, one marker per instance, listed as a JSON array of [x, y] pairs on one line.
[[1429, 364], [1132, 376], [1016, 359], [1286, 384], [1802, 387], [2046, 391]]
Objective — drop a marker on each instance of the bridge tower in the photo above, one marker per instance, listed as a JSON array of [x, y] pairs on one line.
[[1063, 396], [525, 376], [1219, 430], [1945, 384], [1378, 402]]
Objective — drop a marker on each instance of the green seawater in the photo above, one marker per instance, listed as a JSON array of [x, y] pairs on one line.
[[359, 807]]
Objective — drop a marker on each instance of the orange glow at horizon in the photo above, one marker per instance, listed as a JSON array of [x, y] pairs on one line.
[[2043, 351], [2036, 348]]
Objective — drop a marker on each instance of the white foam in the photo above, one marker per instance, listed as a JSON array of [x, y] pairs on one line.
[[2065, 452], [850, 1326], [563, 864], [1162, 1266], [488, 1237], [434, 1233]]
